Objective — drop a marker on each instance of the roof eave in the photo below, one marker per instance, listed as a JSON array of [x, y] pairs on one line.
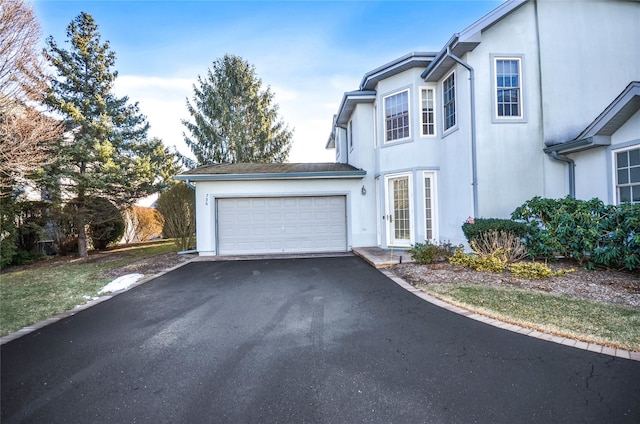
[[414, 59], [359, 174], [349, 102], [467, 40], [579, 145]]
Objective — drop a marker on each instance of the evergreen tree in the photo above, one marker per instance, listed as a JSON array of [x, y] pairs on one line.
[[233, 118], [105, 152]]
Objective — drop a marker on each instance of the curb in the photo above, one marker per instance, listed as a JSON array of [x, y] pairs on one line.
[[38, 325], [593, 347]]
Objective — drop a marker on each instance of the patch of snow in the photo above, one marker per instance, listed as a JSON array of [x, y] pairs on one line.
[[121, 283]]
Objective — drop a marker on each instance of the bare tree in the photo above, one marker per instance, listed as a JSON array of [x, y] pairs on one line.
[[25, 133], [22, 75], [25, 136]]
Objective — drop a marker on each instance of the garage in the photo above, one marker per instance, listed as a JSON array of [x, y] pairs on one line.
[[288, 224], [275, 208]]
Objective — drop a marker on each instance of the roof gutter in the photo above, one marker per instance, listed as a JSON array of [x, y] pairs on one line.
[[358, 174], [474, 161], [572, 170]]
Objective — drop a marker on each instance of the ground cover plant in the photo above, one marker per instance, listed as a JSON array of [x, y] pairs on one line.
[[31, 294]]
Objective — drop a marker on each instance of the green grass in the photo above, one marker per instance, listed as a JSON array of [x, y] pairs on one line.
[[567, 316], [35, 293]]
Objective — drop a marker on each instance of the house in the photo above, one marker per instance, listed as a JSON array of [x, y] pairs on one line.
[[536, 98]]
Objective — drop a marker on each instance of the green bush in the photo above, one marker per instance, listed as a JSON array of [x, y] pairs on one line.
[[589, 232], [7, 230], [475, 228], [106, 224], [429, 252]]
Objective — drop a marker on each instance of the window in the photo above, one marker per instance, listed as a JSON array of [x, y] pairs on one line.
[[350, 135], [428, 208], [508, 88], [449, 101], [628, 176], [396, 116], [428, 111]]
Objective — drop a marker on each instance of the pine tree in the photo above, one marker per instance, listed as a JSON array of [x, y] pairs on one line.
[[105, 152], [233, 119]]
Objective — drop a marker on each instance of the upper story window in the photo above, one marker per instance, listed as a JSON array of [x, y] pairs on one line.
[[428, 118], [396, 116], [350, 135], [508, 80], [628, 176], [449, 101]]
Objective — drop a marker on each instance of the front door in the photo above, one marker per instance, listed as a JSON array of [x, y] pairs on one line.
[[399, 211]]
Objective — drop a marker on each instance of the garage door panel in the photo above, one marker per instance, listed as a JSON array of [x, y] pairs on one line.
[[281, 225]]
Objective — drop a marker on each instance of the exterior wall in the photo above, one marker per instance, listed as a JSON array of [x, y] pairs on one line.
[[598, 58], [509, 151], [595, 176], [360, 218]]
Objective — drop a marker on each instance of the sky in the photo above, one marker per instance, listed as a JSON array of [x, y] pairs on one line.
[[309, 52]]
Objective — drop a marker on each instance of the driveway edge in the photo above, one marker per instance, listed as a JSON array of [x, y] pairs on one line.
[[593, 347], [38, 325]]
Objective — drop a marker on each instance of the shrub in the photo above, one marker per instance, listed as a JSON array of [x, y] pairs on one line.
[[474, 228], [177, 206], [7, 230], [429, 252], [535, 270], [507, 243], [106, 224], [142, 223], [589, 232], [493, 262]]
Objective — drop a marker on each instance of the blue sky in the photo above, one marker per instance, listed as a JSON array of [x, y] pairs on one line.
[[310, 53]]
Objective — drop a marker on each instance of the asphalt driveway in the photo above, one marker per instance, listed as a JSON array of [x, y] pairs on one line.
[[323, 340]]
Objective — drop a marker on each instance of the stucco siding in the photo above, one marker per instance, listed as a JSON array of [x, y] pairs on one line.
[[598, 56]]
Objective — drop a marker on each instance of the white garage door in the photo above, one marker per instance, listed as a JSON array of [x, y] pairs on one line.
[[281, 225]]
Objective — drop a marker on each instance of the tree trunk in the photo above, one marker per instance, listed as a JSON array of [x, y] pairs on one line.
[[82, 235]]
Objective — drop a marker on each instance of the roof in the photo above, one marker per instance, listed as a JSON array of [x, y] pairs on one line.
[[467, 40], [367, 94], [396, 66], [599, 132], [349, 102], [271, 171]]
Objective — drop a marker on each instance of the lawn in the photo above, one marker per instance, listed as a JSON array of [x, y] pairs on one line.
[[567, 316], [31, 294]]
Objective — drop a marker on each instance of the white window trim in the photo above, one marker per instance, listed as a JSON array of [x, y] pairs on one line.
[[375, 125], [350, 135], [387, 212], [384, 116], [434, 204], [494, 89], [454, 127], [614, 170], [435, 112]]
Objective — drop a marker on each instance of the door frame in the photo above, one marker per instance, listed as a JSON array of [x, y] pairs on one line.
[[387, 209]]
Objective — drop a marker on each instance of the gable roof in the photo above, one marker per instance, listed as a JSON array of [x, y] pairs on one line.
[[271, 171], [467, 40], [599, 132]]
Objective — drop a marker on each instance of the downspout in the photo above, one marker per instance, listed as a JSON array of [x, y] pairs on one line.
[[572, 171], [191, 186], [474, 162]]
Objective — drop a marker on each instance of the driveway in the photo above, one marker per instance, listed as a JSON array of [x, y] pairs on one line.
[[323, 340]]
